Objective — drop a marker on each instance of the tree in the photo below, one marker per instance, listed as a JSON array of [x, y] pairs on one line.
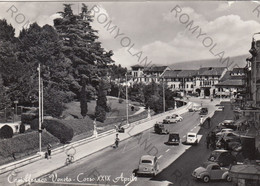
[[80, 46], [101, 106], [5, 101], [83, 99]]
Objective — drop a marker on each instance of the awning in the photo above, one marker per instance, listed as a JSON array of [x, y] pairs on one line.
[[247, 171], [241, 120]]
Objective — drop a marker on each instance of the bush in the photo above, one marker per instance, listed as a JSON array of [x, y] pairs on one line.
[[6, 132], [58, 129], [100, 114], [34, 124], [22, 128], [27, 118]]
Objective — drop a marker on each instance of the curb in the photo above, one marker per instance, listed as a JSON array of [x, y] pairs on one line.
[[7, 167]]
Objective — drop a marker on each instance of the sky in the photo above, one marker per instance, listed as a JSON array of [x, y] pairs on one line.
[[156, 32]]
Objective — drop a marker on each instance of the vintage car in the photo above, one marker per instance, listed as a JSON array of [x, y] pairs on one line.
[[204, 111], [173, 119], [194, 108], [159, 128], [223, 131], [222, 157], [174, 139], [228, 124], [148, 165], [192, 138], [211, 171]]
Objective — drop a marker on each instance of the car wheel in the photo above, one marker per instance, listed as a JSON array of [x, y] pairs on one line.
[[212, 158], [228, 178], [206, 179], [221, 164]]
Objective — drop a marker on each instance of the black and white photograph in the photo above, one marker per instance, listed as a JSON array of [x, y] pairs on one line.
[[130, 93]]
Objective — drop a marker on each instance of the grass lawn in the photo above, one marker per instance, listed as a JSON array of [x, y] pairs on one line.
[[84, 126]]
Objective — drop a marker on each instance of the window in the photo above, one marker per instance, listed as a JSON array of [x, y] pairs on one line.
[[174, 86], [187, 85], [191, 86], [200, 83], [215, 167]]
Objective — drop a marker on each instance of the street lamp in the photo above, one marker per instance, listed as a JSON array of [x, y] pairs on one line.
[[163, 96], [126, 90], [40, 109]]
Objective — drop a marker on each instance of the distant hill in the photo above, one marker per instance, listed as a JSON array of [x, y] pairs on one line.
[[188, 65]]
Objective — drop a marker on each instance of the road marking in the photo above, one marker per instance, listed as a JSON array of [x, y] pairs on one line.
[[184, 136], [191, 129], [131, 181], [159, 156], [167, 150]]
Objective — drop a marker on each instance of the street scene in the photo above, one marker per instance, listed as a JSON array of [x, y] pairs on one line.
[[130, 94]]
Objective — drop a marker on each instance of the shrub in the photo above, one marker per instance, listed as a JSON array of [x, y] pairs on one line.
[[22, 128], [100, 114], [120, 100], [27, 118], [34, 124], [6, 132], [58, 129]]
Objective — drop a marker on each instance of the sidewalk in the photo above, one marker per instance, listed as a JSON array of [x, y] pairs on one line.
[[31, 171]]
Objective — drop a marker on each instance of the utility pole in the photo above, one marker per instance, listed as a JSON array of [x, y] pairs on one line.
[[40, 108], [126, 95], [163, 96]]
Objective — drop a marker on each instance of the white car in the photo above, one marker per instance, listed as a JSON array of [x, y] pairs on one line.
[[192, 138], [178, 117], [220, 108], [223, 131], [173, 119]]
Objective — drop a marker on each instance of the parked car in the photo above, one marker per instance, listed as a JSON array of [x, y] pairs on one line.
[[204, 111], [224, 130], [231, 136], [195, 108], [148, 165], [173, 119], [222, 157], [191, 138], [159, 128], [211, 171], [174, 139], [220, 108], [228, 124]]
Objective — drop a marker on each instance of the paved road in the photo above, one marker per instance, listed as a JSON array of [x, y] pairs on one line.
[[179, 172], [110, 165]]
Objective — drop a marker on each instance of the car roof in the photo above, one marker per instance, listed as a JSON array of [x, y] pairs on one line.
[[192, 133], [228, 121], [209, 163], [220, 150], [147, 157]]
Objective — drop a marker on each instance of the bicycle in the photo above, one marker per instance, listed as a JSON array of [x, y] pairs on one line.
[[69, 159]]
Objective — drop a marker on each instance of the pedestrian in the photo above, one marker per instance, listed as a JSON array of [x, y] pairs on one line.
[[201, 120], [49, 151], [116, 141], [213, 140], [208, 140], [208, 119]]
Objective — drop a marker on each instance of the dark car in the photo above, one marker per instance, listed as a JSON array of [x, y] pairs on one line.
[[228, 124], [160, 129], [204, 111], [174, 139], [222, 157]]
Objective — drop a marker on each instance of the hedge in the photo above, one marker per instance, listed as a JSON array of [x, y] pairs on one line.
[[24, 144], [58, 129], [27, 118], [6, 132]]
